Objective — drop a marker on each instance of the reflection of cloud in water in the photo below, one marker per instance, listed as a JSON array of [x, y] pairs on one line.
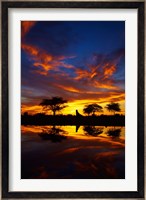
[[82, 165], [80, 156], [52, 137]]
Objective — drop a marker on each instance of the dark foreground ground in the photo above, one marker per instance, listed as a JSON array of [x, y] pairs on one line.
[[103, 120]]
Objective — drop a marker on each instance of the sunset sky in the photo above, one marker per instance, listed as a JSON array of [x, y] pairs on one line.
[[81, 61]]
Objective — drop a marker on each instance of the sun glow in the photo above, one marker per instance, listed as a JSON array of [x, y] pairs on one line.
[[56, 68], [72, 107]]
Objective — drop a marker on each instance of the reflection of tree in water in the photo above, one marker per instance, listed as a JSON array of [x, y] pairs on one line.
[[92, 130], [54, 134], [115, 133]]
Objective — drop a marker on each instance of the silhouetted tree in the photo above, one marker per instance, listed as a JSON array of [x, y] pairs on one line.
[[113, 107], [87, 110], [97, 108], [92, 109], [26, 114], [54, 104]]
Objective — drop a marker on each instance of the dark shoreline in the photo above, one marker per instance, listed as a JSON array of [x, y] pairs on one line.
[[102, 120]]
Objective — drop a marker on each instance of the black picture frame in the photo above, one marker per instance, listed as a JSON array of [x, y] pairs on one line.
[[5, 100]]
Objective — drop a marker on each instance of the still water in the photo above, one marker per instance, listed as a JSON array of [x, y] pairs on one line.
[[71, 152]]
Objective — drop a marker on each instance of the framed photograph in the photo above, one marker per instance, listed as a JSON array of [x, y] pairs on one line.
[[72, 99]]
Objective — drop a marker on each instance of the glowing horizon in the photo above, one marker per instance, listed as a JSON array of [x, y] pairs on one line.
[[80, 61], [71, 108]]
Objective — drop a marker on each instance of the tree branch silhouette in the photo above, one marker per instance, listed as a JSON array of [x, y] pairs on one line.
[[53, 104]]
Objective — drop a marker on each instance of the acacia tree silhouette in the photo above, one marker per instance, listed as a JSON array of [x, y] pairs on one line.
[[92, 109], [54, 104], [87, 110], [113, 107]]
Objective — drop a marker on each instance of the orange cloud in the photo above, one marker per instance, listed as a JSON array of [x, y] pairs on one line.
[[82, 73], [68, 88], [33, 51], [41, 72], [44, 60], [108, 71], [93, 75], [36, 53], [101, 72], [40, 57], [112, 97], [31, 109], [26, 26], [46, 67], [91, 78], [107, 85]]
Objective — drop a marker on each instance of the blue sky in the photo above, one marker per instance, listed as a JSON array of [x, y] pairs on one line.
[[77, 60]]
